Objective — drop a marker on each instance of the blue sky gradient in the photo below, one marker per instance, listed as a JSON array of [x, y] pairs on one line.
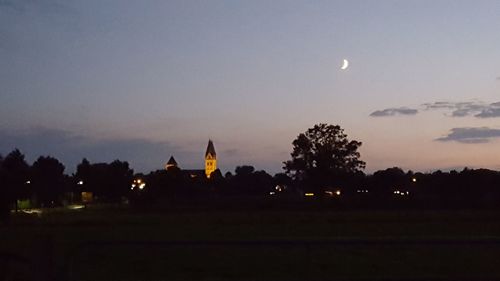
[[143, 80]]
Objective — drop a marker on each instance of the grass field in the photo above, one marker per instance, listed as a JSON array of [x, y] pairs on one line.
[[119, 244]]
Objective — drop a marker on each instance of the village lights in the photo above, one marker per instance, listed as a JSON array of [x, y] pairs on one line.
[[139, 183]]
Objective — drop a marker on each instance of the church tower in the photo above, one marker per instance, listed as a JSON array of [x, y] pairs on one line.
[[210, 159]]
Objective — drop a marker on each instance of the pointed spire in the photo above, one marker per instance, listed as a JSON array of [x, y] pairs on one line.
[[210, 149], [171, 161]]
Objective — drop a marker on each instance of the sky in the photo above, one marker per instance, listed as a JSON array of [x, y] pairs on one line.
[[140, 81]]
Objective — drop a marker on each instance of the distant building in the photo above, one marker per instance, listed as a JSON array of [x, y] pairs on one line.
[[210, 159], [210, 163], [171, 163]]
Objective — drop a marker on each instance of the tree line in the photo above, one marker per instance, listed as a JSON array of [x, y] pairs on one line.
[[324, 165]]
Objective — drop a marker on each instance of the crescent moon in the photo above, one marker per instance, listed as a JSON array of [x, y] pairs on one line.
[[345, 64]]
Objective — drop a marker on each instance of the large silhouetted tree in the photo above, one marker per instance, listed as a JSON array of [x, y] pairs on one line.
[[83, 171], [15, 176], [47, 179], [108, 182], [121, 177], [322, 155]]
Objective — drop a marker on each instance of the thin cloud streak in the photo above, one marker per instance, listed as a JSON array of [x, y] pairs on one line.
[[463, 109], [394, 112], [458, 109]]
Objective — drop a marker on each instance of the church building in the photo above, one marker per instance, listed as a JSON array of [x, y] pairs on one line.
[[210, 163], [210, 159]]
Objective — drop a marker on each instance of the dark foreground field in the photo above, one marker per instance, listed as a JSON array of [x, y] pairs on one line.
[[119, 244]]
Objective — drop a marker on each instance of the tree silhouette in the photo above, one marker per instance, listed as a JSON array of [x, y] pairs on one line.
[[244, 170], [108, 182], [15, 176], [119, 180], [248, 182], [323, 154], [47, 179], [83, 171]]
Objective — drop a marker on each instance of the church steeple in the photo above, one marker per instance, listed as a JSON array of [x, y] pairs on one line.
[[210, 159]]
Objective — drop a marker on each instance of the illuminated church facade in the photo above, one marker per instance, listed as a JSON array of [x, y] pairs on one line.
[[210, 163], [210, 159]]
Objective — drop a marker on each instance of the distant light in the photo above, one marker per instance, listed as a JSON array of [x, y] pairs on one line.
[[329, 192], [279, 187], [396, 192], [272, 193], [28, 182], [139, 181], [337, 192], [32, 211], [76, 207], [308, 194], [80, 183], [407, 193], [141, 186], [414, 180]]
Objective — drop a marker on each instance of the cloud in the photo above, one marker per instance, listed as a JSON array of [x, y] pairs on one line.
[[143, 155], [490, 111], [471, 135], [439, 105], [463, 109], [458, 109], [394, 111]]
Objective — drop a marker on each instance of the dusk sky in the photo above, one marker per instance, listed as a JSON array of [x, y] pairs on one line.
[[142, 80]]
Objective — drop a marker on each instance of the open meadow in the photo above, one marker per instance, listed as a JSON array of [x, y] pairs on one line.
[[111, 243]]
